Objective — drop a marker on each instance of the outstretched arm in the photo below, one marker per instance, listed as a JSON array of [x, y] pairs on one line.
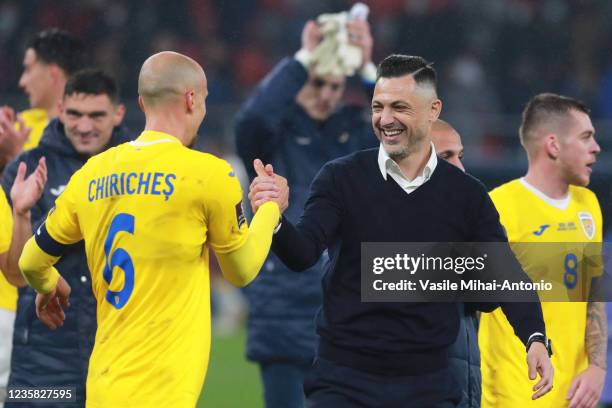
[[240, 266], [300, 246]]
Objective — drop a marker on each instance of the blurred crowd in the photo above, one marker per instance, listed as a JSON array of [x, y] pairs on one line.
[[493, 55]]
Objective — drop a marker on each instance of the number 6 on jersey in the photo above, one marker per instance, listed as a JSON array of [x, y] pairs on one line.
[[119, 258]]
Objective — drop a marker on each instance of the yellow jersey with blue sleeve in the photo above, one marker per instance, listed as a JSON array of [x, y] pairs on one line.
[[148, 211], [530, 217], [8, 293], [37, 120]]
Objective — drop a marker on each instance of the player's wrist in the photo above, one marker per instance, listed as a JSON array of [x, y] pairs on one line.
[[304, 57], [597, 367], [22, 213], [541, 339]]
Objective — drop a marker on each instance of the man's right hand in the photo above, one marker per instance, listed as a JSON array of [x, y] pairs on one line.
[[27, 191], [538, 362], [268, 186]]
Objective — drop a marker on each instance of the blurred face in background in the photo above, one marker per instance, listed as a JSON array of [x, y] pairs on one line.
[[578, 149], [320, 96], [89, 121], [38, 79], [402, 114], [448, 145]]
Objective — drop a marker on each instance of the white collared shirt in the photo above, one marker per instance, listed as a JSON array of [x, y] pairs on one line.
[[389, 167]]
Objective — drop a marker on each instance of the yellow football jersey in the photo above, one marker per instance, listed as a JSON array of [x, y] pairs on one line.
[[148, 210], [529, 217], [37, 121], [8, 293]]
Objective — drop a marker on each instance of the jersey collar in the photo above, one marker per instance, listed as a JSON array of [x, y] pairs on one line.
[[150, 137]]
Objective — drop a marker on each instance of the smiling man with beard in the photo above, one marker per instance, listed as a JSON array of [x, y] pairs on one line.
[[399, 192]]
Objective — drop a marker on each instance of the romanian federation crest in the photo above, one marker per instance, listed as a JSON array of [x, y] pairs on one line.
[[587, 223]]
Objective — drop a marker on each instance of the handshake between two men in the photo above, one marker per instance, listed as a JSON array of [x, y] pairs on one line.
[[268, 186]]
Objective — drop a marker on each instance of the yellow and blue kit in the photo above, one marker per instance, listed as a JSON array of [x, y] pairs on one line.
[[530, 217], [148, 211]]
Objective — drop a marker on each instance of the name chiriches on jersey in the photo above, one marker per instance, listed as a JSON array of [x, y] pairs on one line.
[[153, 183]]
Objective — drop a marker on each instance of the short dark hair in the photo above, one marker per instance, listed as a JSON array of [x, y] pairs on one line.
[[397, 65], [93, 82], [546, 107], [59, 47]]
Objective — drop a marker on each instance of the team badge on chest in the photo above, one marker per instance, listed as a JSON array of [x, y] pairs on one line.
[[587, 223]]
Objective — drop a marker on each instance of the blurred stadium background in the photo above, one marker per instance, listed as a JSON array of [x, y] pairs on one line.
[[491, 55]]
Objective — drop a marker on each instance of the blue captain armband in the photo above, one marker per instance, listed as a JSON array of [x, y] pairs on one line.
[[47, 243]]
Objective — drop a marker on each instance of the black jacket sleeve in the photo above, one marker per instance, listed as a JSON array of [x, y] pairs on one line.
[[257, 123], [300, 246], [525, 318]]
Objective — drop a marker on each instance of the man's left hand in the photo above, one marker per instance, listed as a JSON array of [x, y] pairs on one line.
[[539, 363], [586, 388]]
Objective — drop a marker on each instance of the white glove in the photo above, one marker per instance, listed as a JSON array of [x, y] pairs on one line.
[[335, 55]]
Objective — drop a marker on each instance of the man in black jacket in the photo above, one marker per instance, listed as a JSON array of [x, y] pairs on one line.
[[399, 192], [89, 122]]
